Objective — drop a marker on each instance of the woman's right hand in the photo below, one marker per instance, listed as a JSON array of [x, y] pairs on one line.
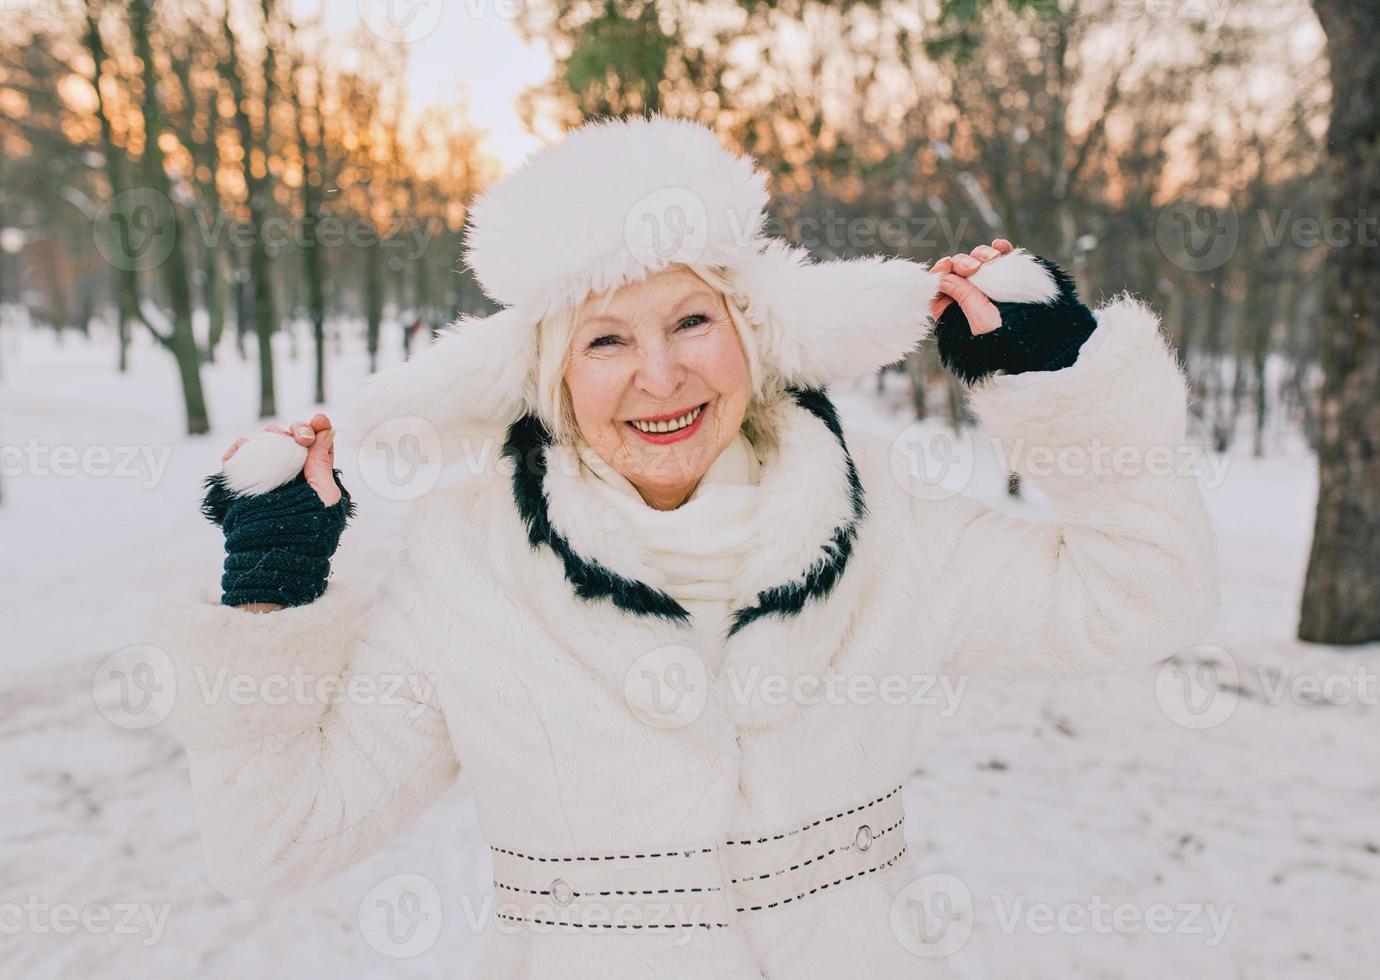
[[279, 541], [319, 438]]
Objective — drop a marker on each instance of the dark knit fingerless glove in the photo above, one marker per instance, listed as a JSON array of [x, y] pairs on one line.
[[278, 545], [1032, 336]]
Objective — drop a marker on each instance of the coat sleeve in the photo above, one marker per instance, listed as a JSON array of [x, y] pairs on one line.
[[1128, 574], [313, 733]]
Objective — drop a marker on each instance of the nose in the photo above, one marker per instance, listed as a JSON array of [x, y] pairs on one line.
[[659, 373]]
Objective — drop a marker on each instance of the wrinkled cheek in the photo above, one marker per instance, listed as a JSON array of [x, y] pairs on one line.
[[728, 366], [595, 392], [725, 367]]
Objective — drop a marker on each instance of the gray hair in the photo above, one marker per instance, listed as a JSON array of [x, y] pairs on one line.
[[554, 334]]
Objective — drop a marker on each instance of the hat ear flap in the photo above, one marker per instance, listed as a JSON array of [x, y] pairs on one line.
[[823, 322], [473, 380]]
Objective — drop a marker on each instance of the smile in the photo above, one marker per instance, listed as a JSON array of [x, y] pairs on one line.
[[669, 429]]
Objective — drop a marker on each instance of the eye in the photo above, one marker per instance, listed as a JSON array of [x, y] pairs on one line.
[[694, 320], [608, 340]]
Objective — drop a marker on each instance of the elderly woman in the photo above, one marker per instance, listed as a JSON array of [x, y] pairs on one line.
[[630, 622]]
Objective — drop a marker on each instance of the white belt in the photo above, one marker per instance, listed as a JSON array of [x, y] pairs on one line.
[[705, 887]]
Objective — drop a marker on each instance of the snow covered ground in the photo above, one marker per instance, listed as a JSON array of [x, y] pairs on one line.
[[1215, 817]]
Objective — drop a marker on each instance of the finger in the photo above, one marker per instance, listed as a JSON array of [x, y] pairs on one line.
[[299, 432], [1003, 246], [940, 303], [985, 253], [302, 432], [318, 469], [966, 265], [983, 316], [318, 452], [234, 448], [320, 422]]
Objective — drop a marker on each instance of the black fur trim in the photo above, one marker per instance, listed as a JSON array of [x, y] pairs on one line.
[[1032, 336], [787, 600], [525, 445], [218, 497]]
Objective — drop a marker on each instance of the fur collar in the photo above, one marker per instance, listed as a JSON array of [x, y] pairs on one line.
[[811, 505]]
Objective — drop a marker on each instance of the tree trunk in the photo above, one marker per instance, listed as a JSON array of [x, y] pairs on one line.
[[257, 188], [176, 275], [915, 372], [216, 287], [1341, 596], [373, 299], [126, 276], [310, 148], [244, 314]]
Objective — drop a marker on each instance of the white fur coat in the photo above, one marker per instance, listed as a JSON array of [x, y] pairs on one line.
[[526, 685]]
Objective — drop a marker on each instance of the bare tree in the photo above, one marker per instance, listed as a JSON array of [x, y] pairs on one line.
[[178, 337], [1341, 595], [311, 150], [255, 154]]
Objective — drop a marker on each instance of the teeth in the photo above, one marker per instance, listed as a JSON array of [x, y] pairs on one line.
[[671, 425]]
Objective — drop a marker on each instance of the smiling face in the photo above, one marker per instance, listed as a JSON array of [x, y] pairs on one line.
[[658, 382]]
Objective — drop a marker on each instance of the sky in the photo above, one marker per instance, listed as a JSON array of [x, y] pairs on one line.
[[456, 48]]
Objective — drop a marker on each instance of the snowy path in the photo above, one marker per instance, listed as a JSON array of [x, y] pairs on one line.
[[1044, 794]]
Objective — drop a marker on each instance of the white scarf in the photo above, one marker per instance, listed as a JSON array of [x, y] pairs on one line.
[[701, 544]]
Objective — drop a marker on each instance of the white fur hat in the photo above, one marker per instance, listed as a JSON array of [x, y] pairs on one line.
[[614, 201]]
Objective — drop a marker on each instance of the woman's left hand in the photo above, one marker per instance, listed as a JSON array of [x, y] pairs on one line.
[[954, 287]]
